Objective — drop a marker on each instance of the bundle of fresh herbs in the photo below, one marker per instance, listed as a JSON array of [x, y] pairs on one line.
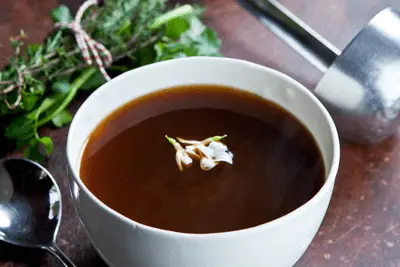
[[41, 80]]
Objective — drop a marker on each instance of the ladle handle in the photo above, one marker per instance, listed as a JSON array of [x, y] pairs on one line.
[[57, 253], [294, 32]]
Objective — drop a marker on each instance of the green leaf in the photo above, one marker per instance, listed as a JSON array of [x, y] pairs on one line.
[[3, 108], [34, 52], [125, 28], [34, 86], [29, 101], [209, 44], [62, 85], [159, 48], [6, 74], [61, 14], [175, 28], [169, 51], [119, 12], [47, 143], [47, 104], [94, 82], [197, 40], [147, 55], [32, 49], [75, 86], [195, 30], [62, 118], [20, 128], [165, 18], [33, 152], [53, 42]]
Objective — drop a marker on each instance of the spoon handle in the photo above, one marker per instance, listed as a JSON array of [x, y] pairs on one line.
[[57, 253]]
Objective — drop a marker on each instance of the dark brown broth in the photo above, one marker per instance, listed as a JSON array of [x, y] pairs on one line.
[[129, 165]]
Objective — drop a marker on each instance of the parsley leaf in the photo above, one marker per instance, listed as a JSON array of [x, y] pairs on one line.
[[61, 14]]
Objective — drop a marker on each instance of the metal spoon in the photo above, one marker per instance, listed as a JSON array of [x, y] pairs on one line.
[[30, 207]]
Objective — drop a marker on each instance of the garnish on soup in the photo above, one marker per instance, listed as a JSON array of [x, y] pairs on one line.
[[210, 152]]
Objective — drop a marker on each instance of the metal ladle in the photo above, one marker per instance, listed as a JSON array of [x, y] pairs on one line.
[[361, 84], [30, 207]]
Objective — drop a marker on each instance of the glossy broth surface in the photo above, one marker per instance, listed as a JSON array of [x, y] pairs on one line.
[[130, 166]]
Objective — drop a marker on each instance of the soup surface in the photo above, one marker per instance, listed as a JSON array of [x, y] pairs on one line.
[[130, 166]]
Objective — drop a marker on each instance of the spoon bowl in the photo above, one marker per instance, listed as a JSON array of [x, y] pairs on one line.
[[30, 207]]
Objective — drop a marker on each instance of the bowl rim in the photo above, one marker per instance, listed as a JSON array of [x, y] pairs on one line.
[[325, 189]]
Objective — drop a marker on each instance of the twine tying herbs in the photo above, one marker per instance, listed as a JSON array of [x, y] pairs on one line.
[[86, 45], [84, 40]]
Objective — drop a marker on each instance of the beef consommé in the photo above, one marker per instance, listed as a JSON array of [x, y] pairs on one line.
[[130, 166]]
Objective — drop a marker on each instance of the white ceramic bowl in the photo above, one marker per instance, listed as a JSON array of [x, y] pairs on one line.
[[280, 243]]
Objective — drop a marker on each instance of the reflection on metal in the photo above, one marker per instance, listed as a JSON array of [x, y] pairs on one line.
[[6, 187], [4, 219], [360, 84], [294, 32], [32, 213]]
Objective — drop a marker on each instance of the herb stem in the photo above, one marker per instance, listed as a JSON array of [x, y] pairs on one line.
[[37, 67], [68, 71], [181, 11], [135, 49], [81, 80], [5, 82]]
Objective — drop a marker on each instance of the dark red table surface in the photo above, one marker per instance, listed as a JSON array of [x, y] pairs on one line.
[[362, 226]]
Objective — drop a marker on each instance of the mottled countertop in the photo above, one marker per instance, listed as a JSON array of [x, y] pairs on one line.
[[361, 227]]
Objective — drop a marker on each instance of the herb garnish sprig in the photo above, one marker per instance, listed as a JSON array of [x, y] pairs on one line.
[[41, 80], [210, 152]]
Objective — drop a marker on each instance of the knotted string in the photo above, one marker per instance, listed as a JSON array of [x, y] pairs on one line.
[[86, 44]]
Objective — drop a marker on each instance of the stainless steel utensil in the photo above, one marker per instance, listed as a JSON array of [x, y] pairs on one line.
[[361, 84], [30, 207]]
